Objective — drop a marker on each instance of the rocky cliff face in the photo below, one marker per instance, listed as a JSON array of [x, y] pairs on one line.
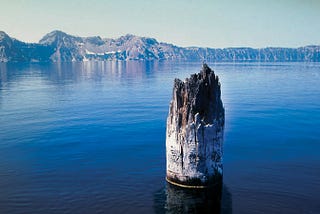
[[195, 126], [66, 48], [13, 50], [58, 46]]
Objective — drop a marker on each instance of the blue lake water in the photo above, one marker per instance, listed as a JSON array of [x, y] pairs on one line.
[[90, 138]]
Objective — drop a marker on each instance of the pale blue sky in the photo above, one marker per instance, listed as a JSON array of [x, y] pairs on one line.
[[207, 23]]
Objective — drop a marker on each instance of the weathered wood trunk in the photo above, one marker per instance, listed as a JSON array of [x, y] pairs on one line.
[[194, 136]]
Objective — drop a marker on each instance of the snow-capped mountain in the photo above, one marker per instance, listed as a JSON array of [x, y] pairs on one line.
[[61, 47]]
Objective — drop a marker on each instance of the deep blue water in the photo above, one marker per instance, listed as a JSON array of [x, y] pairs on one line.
[[90, 137]]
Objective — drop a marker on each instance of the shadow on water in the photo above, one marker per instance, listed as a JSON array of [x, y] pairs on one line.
[[173, 199]]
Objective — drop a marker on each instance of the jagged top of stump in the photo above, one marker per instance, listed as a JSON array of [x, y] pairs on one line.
[[200, 93]]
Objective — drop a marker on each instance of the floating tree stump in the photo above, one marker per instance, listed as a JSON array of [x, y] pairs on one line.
[[194, 135]]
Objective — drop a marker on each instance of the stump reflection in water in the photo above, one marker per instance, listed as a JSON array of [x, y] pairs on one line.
[[173, 199]]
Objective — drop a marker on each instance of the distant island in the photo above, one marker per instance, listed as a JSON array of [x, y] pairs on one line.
[[58, 46]]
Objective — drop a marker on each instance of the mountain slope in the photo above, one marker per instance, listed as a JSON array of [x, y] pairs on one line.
[[61, 47], [17, 51]]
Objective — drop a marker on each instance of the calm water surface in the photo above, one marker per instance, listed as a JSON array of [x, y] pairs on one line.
[[90, 138]]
